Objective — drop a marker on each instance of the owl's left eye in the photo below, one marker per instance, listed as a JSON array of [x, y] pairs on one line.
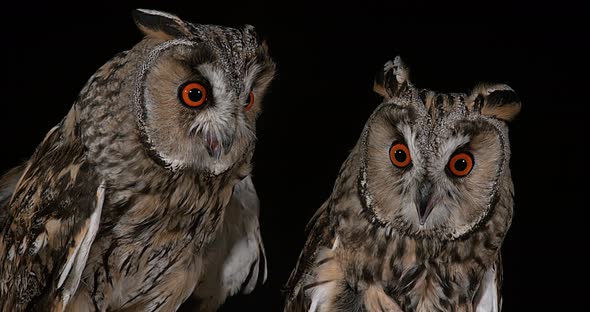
[[249, 101], [461, 164]]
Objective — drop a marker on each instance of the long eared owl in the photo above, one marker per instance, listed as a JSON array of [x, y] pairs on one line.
[[420, 207], [142, 194]]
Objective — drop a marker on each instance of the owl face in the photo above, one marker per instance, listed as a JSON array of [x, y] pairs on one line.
[[432, 162], [199, 92]]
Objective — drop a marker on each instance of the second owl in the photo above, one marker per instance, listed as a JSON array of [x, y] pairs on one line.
[[420, 208]]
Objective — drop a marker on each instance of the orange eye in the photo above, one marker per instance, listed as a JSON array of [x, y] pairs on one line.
[[249, 101], [399, 155], [461, 164], [193, 94]]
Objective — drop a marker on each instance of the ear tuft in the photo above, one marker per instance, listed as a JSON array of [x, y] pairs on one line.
[[498, 101], [393, 80], [250, 32], [160, 25]]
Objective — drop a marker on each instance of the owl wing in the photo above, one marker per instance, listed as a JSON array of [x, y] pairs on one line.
[[316, 252], [7, 185], [236, 260], [489, 295], [50, 223]]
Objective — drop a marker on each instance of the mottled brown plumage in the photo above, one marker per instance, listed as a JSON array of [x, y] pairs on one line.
[[414, 237], [118, 207]]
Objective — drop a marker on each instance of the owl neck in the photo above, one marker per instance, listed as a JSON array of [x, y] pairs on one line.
[[182, 188], [154, 202]]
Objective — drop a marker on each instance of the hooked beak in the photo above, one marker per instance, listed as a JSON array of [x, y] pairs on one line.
[[218, 145], [425, 201]]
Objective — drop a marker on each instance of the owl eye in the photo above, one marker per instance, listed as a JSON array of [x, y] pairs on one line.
[[399, 155], [249, 101], [461, 164], [192, 94]]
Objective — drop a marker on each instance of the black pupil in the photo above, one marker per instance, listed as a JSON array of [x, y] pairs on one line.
[[460, 165], [248, 99], [400, 155], [195, 94]]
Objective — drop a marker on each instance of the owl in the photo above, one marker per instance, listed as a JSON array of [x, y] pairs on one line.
[[142, 195], [420, 207]]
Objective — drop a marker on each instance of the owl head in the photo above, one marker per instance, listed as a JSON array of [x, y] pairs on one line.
[[434, 165], [198, 92]]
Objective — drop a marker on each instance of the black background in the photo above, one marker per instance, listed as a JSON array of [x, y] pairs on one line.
[[327, 56]]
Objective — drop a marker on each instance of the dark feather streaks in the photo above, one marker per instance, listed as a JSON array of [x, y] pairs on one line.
[[58, 185]]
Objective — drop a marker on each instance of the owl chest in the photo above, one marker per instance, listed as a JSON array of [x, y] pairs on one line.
[[420, 281], [414, 275], [433, 287], [150, 277], [149, 258]]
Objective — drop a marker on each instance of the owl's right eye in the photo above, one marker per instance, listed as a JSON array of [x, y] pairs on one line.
[[192, 94], [400, 155]]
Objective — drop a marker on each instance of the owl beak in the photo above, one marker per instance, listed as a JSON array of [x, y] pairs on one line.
[[425, 201], [218, 146], [213, 146]]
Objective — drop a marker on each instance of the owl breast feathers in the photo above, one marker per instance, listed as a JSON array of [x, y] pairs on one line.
[[142, 192], [420, 208]]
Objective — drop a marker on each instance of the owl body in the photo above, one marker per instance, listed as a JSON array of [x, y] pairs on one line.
[[117, 207], [419, 210]]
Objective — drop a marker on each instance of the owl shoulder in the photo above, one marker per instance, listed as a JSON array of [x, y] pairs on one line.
[[50, 223]]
